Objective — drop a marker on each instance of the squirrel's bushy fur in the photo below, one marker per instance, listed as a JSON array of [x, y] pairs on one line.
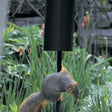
[[52, 88], [34, 103]]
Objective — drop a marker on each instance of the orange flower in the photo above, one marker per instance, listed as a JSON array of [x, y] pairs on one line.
[[100, 57], [42, 26], [43, 34], [20, 50], [84, 24], [86, 19]]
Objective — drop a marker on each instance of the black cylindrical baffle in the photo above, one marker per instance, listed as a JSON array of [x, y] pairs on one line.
[[59, 25]]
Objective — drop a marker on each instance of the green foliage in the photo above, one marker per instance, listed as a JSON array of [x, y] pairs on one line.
[[14, 107], [99, 99], [3, 108], [22, 75]]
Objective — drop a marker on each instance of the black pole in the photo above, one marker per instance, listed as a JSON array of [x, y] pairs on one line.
[[59, 58]]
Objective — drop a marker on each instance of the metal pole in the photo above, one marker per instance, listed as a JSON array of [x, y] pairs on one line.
[[59, 58]]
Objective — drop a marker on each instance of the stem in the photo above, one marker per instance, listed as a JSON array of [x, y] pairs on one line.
[[106, 48]]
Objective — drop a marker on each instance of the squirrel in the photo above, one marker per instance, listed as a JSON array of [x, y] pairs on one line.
[[51, 91]]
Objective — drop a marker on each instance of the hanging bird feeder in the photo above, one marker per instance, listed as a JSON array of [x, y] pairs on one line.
[[59, 30]]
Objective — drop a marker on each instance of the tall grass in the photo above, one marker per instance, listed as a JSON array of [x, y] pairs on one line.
[[20, 79]]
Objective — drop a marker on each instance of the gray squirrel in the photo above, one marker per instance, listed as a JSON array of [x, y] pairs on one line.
[[52, 90]]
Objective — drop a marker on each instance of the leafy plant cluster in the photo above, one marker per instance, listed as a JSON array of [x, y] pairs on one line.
[[23, 74]]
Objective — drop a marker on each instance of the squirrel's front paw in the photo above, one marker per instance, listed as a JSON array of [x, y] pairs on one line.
[[61, 97]]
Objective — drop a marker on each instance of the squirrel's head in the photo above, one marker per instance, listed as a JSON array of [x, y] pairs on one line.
[[73, 89]]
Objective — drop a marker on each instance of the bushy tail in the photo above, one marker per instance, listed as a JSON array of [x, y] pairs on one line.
[[34, 103]]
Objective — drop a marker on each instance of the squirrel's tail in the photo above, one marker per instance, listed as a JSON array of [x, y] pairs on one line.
[[34, 103]]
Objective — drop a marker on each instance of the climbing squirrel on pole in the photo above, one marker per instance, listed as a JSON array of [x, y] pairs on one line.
[[51, 91]]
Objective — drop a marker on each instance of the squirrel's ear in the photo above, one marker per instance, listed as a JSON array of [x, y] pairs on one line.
[[76, 83], [63, 69]]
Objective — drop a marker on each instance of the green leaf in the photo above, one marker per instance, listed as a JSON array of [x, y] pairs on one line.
[[13, 107]]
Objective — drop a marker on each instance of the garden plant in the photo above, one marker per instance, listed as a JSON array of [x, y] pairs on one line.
[[25, 64]]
